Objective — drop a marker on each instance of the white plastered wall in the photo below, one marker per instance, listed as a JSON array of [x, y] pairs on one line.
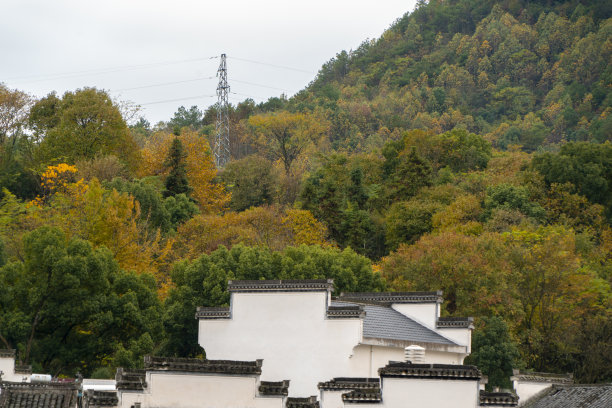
[[425, 313], [180, 390], [426, 393], [7, 366], [461, 336], [332, 398], [367, 359], [526, 390], [290, 332]]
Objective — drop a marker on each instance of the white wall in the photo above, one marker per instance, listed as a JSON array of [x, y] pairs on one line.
[[426, 393], [367, 359], [425, 313], [526, 390], [180, 390], [332, 398], [461, 336], [290, 332], [7, 366]]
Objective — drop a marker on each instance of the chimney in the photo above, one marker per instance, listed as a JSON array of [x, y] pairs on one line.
[[414, 354]]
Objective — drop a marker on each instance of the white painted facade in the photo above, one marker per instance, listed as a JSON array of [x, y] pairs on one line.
[[527, 385], [425, 393], [7, 366], [196, 390], [291, 331]]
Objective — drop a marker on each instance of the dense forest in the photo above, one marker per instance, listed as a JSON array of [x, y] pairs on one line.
[[468, 149]]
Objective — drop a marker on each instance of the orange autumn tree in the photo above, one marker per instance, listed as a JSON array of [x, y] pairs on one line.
[[210, 196]]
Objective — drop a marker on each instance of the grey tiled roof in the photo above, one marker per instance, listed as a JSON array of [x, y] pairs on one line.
[[498, 399], [285, 285], [438, 371], [308, 402], [573, 396], [274, 388], [202, 366], [48, 395], [385, 323], [95, 399], [350, 383], [388, 298]]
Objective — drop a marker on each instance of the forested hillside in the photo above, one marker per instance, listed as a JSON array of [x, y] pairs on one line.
[[468, 149]]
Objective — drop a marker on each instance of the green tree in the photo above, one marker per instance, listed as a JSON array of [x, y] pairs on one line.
[[494, 352], [68, 307], [186, 118], [176, 180], [203, 282], [251, 182], [82, 125]]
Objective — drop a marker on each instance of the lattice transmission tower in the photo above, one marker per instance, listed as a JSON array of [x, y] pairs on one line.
[[222, 142]]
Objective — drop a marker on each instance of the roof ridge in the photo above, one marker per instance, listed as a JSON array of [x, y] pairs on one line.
[[281, 285], [394, 297]]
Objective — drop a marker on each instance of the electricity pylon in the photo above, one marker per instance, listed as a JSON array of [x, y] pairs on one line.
[[222, 143]]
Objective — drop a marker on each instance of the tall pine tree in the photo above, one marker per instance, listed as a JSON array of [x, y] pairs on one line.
[[176, 182]]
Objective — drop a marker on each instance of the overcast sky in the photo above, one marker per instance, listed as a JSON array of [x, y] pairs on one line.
[[129, 47]]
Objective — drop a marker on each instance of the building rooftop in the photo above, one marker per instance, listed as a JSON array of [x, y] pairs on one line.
[[202, 366], [130, 380], [350, 383], [285, 285], [46, 395], [274, 388], [96, 398], [7, 353], [438, 371], [498, 399], [383, 322], [543, 377], [573, 396], [308, 402], [388, 298]]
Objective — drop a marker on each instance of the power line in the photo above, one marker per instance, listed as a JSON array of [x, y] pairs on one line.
[[273, 65], [161, 84], [177, 100], [260, 85], [75, 74]]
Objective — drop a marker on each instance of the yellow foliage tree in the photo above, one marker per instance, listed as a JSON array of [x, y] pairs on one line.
[[269, 226], [211, 197]]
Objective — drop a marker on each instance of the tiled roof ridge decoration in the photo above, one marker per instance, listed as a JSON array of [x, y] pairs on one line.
[[23, 369], [308, 402], [339, 312], [504, 399], [439, 371], [222, 312], [455, 322], [274, 388], [388, 298], [350, 383], [130, 380], [202, 366], [97, 398], [282, 285], [7, 353], [363, 395], [543, 377]]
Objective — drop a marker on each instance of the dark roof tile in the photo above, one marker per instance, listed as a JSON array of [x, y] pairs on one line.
[[132, 380], [438, 371], [274, 387], [285, 285], [345, 311], [202, 366], [100, 399], [455, 322], [350, 383], [213, 313], [573, 396], [498, 399], [309, 402], [47, 395], [388, 298]]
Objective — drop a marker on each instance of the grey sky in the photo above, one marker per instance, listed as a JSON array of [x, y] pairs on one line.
[[118, 44]]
